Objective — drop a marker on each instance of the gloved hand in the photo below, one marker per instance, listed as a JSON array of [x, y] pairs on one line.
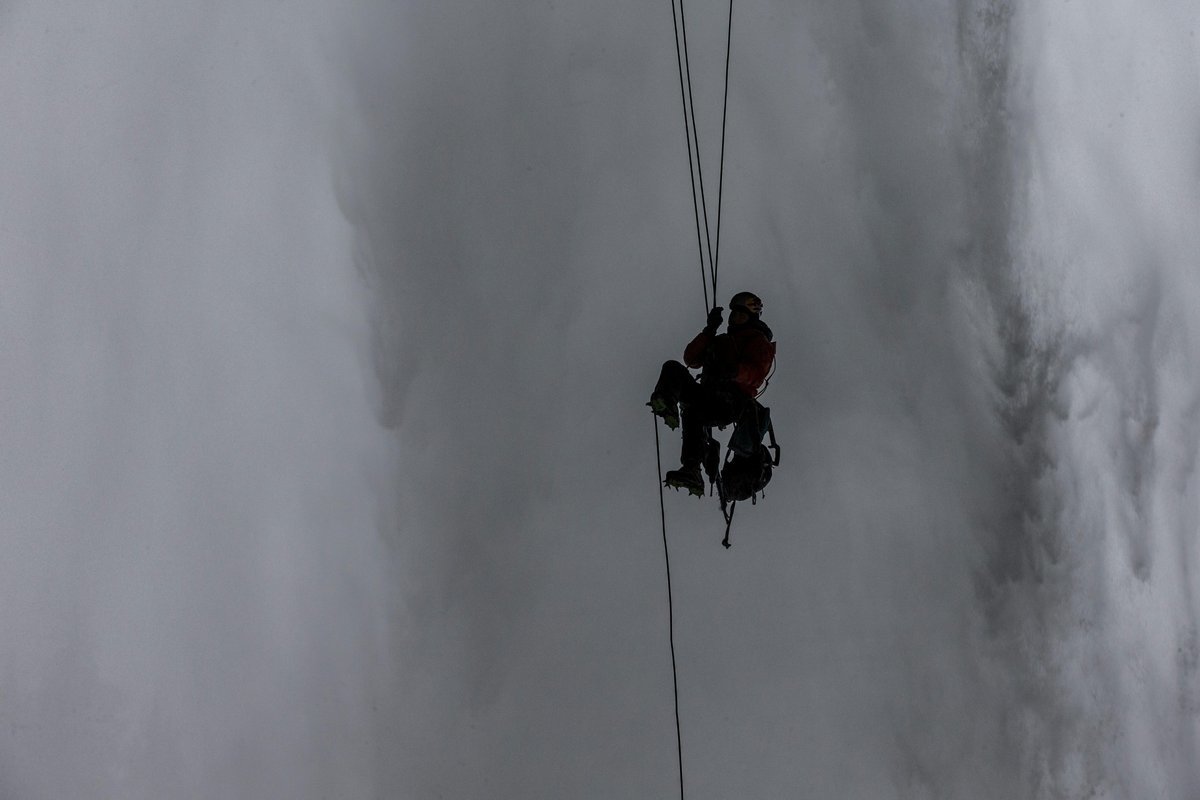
[[715, 317]]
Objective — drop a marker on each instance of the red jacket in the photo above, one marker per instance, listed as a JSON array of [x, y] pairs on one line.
[[744, 355]]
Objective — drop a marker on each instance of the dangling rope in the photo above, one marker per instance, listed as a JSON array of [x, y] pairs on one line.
[[662, 507], [709, 261]]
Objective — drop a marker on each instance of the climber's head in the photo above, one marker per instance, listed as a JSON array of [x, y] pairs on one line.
[[743, 307]]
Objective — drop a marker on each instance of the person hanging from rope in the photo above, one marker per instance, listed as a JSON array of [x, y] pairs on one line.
[[733, 365]]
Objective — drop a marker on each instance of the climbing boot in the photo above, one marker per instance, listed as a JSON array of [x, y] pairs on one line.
[[686, 477], [667, 409]]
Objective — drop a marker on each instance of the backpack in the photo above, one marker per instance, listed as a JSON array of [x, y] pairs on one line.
[[748, 464]]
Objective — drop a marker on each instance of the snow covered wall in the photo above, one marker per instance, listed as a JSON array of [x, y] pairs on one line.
[[327, 334]]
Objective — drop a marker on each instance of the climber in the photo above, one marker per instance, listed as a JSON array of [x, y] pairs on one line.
[[733, 365]]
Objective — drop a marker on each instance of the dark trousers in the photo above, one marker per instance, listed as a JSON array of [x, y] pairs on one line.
[[702, 406]]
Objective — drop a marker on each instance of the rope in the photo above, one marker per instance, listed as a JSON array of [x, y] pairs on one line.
[[708, 267], [687, 132], [670, 603], [721, 172], [696, 139]]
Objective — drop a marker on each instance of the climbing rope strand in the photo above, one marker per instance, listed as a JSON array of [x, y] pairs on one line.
[[662, 507], [687, 63], [716, 263], [687, 132], [704, 230]]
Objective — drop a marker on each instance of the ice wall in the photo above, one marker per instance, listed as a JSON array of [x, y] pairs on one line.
[[328, 333]]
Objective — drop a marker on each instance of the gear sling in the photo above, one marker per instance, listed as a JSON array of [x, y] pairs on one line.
[[748, 463]]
